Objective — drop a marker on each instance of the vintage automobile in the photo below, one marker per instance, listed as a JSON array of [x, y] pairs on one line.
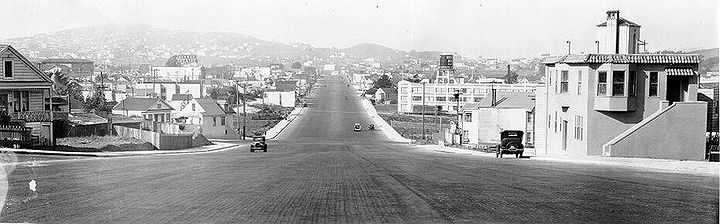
[[258, 144], [510, 143], [357, 127]]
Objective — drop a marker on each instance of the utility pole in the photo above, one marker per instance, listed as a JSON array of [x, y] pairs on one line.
[[237, 115], [244, 113], [423, 111], [457, 124]]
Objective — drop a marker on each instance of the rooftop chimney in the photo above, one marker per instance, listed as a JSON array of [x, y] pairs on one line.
[[617, 35], [613, 32]]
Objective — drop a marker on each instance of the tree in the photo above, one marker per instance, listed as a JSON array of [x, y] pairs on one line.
[[511, 78], [66, 86], [96, 102], [296, 65], [383, 82], [414, 79]]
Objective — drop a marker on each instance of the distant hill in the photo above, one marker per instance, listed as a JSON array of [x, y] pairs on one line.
[[137, 44], [120, 44], [709, 62]]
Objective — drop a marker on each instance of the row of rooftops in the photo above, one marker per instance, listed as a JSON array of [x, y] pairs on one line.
[[624, 59], [209, 105]]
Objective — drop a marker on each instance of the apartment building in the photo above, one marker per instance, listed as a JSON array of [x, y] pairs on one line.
[[441, 94], [621, 103]]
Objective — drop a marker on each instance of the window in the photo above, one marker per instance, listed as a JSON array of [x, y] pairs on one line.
[[579, 84], [653, 84], [8, 69], [222, 121], [417, 98], [549, 121], [440, 98], [631, 83], [556, 85], [440, 90], [416, 89], [579, 127], [159, 105], [555, 121], [21, 101], [477, 99], [214, 121], [618, 88], [403, 98], [602, 83], [468, 117], [564, 82], [529, 118]]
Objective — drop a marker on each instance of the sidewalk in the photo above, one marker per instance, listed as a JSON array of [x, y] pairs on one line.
[[280, 126], [208, 148], [702, 168], [382, 124]]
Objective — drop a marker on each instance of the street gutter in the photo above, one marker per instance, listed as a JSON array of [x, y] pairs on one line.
[[207, 148]]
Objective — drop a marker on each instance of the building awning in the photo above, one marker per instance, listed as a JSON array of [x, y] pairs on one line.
[[680, 71]]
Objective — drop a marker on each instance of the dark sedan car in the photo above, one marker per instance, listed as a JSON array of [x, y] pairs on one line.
[[510, 143], [258, 144]]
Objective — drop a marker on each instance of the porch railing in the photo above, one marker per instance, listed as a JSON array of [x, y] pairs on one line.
[[15, 135], [39, 116]]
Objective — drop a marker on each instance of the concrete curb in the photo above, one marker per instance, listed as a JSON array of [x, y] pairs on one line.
[[273, 132], [657, 165], [382, 124], [207, 148]]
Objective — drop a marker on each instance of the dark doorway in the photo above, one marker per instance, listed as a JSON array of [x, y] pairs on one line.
[[677, 87]]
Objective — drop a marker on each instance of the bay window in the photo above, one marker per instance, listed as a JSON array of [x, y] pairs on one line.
[[602, 83], [618, 87]]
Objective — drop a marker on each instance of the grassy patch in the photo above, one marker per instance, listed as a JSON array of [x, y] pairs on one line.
[[410, 126], [101, 144]]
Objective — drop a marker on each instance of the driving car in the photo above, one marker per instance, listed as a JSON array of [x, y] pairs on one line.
[[258, 143], [357, 127], [510, 143]]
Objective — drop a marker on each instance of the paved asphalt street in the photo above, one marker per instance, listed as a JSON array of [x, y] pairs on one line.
[[319, 170]]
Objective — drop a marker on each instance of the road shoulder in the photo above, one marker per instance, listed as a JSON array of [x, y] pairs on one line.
[[207, 148]]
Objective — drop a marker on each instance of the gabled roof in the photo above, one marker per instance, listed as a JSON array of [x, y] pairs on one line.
[[390, 91], [209, 106], [621, 22], [86, 119], [27, 63], [181, 97], [139, 104], [625, 59], [505, 100]]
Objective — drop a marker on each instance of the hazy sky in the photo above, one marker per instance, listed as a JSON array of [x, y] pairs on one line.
[[472, 28]]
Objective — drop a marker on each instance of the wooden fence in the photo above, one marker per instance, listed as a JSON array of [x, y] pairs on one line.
[[11, 135], [161, 141]]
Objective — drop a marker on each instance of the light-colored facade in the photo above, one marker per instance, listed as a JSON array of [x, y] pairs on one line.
[[205, 116], [283, 99], [482, 122], [177, 74], [25, 95], [628, 105], [441, 94], [150, 109]]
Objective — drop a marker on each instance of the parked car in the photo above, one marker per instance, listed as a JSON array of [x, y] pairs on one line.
[[258, 144], [357, 127], [510, 143]]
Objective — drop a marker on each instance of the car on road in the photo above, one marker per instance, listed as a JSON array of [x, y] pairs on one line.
[[258, 143], [510, 143], [357, 127]]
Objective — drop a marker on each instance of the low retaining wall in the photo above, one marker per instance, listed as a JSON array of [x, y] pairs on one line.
[[161, 141], [676, 132]]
